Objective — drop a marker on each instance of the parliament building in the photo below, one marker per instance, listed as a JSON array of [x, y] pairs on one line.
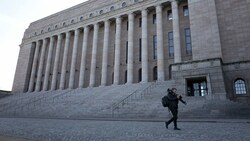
[[203, 46]]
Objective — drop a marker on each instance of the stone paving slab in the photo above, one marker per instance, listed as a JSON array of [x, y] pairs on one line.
[[11, 138], [98, 130]]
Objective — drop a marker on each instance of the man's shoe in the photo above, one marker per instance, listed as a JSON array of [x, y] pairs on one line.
[[177, 128], [166, 123]]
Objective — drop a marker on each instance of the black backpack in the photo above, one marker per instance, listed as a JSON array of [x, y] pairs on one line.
[[164, 101]]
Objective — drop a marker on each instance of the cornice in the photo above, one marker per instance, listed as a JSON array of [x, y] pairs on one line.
[[141, 4]]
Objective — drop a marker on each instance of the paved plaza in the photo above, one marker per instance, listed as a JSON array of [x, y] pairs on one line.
[[19, 129]]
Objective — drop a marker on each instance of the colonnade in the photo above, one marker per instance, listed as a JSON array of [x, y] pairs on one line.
[[39, 60]]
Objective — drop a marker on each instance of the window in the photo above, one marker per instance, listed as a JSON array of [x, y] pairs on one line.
[[171, 44], [240, 87], [81, 18], [101, 12], [56, 26], [140, 53], [155, 46], [127, 25], [91, 15], [197, 86], [72, 21], [154, 19], [64, 24], [188, 41], [124, 4], [140, 22], [49, 29], [170, 16], [112, 8], [125, 77], [41, 31], [126, 52], [185, 11], [155, 73], [136, 1], [139, 75]]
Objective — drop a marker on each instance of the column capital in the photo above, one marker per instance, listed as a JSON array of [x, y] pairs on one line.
[[118, 20], [131, 16], [59, 35], [96, 24], [106, 22], [144, 12], [158, 8], [118, 17], [173, 1], [86, 27], [67, 34], [77, 31]]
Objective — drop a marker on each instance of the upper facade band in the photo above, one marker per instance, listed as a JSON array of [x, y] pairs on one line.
[[87, 13]]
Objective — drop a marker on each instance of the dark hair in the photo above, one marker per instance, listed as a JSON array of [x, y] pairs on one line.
[[174, 89]]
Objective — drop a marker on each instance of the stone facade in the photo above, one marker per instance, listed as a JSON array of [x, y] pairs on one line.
[[110, 42]]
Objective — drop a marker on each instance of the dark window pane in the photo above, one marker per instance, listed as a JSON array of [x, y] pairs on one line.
[[240, 87], [185, 11]]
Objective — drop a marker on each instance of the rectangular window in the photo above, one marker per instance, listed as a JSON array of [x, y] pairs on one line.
[[170, 15], [114, 56], [127, 25], [140, 20], [171, 44], [185, 11], [155, 46], [188, 41], [140, 53], [154, 19], [126, 52]]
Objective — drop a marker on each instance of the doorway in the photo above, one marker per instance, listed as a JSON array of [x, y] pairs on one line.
[[197, 86]]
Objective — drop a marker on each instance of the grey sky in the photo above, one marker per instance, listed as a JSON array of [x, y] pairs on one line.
[[15, 17]]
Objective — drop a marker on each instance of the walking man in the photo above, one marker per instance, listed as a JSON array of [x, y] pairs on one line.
[[173, 99]]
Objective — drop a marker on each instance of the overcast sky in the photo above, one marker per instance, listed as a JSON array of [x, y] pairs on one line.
[[15, 17]]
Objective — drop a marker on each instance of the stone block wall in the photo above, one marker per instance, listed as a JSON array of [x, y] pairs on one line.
[[211, 69]]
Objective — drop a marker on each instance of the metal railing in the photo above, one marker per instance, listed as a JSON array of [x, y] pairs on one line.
[[134, 95]]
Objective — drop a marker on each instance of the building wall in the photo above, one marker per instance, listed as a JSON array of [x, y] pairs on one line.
[[204, 29], [234, 71], [23, 68], [40, 25], [219, 43], [234, 26], [210, 69]]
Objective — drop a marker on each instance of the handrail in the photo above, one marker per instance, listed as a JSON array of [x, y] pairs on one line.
[[116, 106]]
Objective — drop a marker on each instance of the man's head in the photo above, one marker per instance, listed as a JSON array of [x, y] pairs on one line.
[[174, 90]]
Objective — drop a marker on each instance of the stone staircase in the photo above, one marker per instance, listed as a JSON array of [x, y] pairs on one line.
[[77, 103], [150, 107], [134, 101]]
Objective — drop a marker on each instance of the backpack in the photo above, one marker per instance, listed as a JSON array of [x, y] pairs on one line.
[[165, 101]]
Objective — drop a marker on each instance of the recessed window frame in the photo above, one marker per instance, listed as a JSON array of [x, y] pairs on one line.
[[171, 44], [101, 12], [154, 47], [154, 18], [112, 8], [240, 87], [188, 41], [91, 15], [170, 15], [185, 11], [124, 4]]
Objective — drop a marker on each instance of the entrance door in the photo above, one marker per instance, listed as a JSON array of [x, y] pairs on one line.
[[197, 86]]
